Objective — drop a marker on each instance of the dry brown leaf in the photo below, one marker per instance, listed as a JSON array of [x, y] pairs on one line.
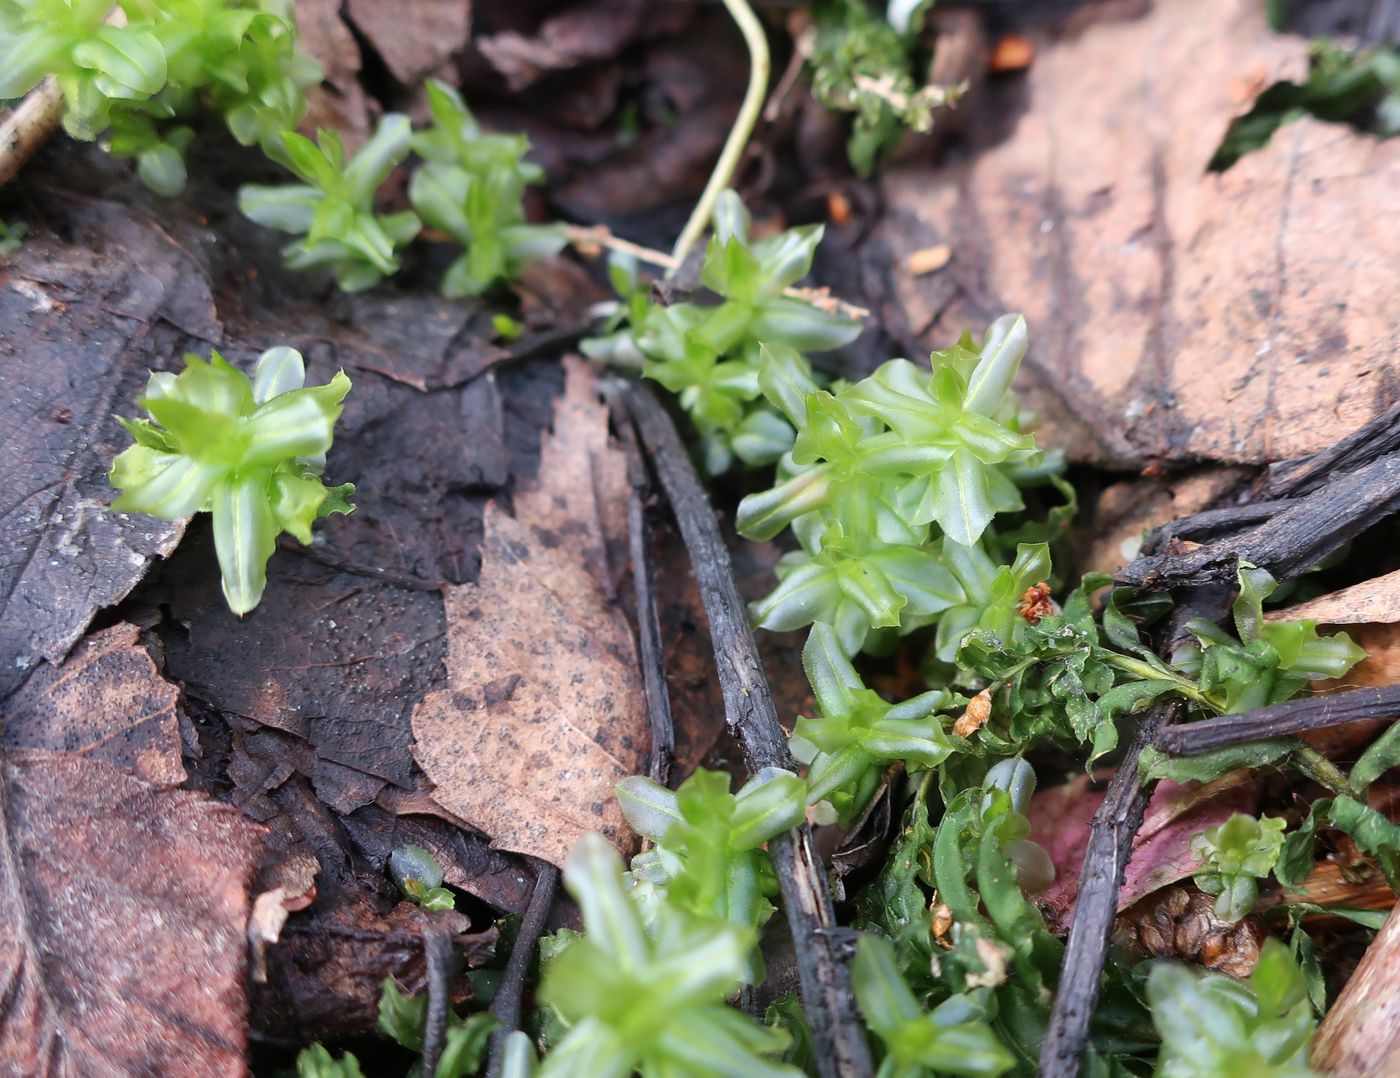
[[325, 974], [123, 948], [1245, 316], [413, 37], [582, 33], [545, 712], [339, 103], [1361, 1033], [1124, 512], [1375, 601], [106, 701]]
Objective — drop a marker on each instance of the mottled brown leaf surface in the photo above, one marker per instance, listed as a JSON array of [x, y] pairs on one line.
[[106, 701], [123, 945], [544, 712], [84, 316], [1247, 316]]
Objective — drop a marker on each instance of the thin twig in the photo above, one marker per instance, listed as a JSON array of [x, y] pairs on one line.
[[1280, 720], [28, 126], [585, 236], [1289, 542], [757, 42], [1303, 475], [1110, 842], [506, 1004], [837, 1034], [663, 732], [442, 962], [1211, 524]]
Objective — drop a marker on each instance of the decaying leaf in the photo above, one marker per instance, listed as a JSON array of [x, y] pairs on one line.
[[326, 972], [413, 38], [1245, 316], [544, 713], [340, 103], [106, 701], [123, 947], [83, 319], [591, 31]]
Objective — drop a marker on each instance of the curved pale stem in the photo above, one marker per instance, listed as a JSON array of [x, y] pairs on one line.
[[728, 162]]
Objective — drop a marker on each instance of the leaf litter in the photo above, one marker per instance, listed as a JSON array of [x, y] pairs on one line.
[[316, 770]]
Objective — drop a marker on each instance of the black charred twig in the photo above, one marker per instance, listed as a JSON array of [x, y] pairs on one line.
[[1280, 720], [837, 1033], [663, 732], [506, 1005], [1200, 527], [442, 963], [1381, 436], [1290, 542], [1111, 834]]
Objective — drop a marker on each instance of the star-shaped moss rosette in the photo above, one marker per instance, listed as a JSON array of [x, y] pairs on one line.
[[332, 210], [248, 452], [858, 732], [649, 999], [709, 354], [471, 185], [137, 84]]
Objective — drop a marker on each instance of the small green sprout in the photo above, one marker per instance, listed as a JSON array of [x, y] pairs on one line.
[[138, 82], [248, 452], [333, 210], [470, 185], [1271, 661], [1217, 1025], [506, 328], [709, 355], [858, 732], [317, 1062], [1234, 856], [874, 468], [465, 1039], [707, 855], [419, 877], [649, 1000], [952, 1039]]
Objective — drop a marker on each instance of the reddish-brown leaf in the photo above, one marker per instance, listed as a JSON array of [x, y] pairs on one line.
[[123, 946], [416, 37], [1060, 822]]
